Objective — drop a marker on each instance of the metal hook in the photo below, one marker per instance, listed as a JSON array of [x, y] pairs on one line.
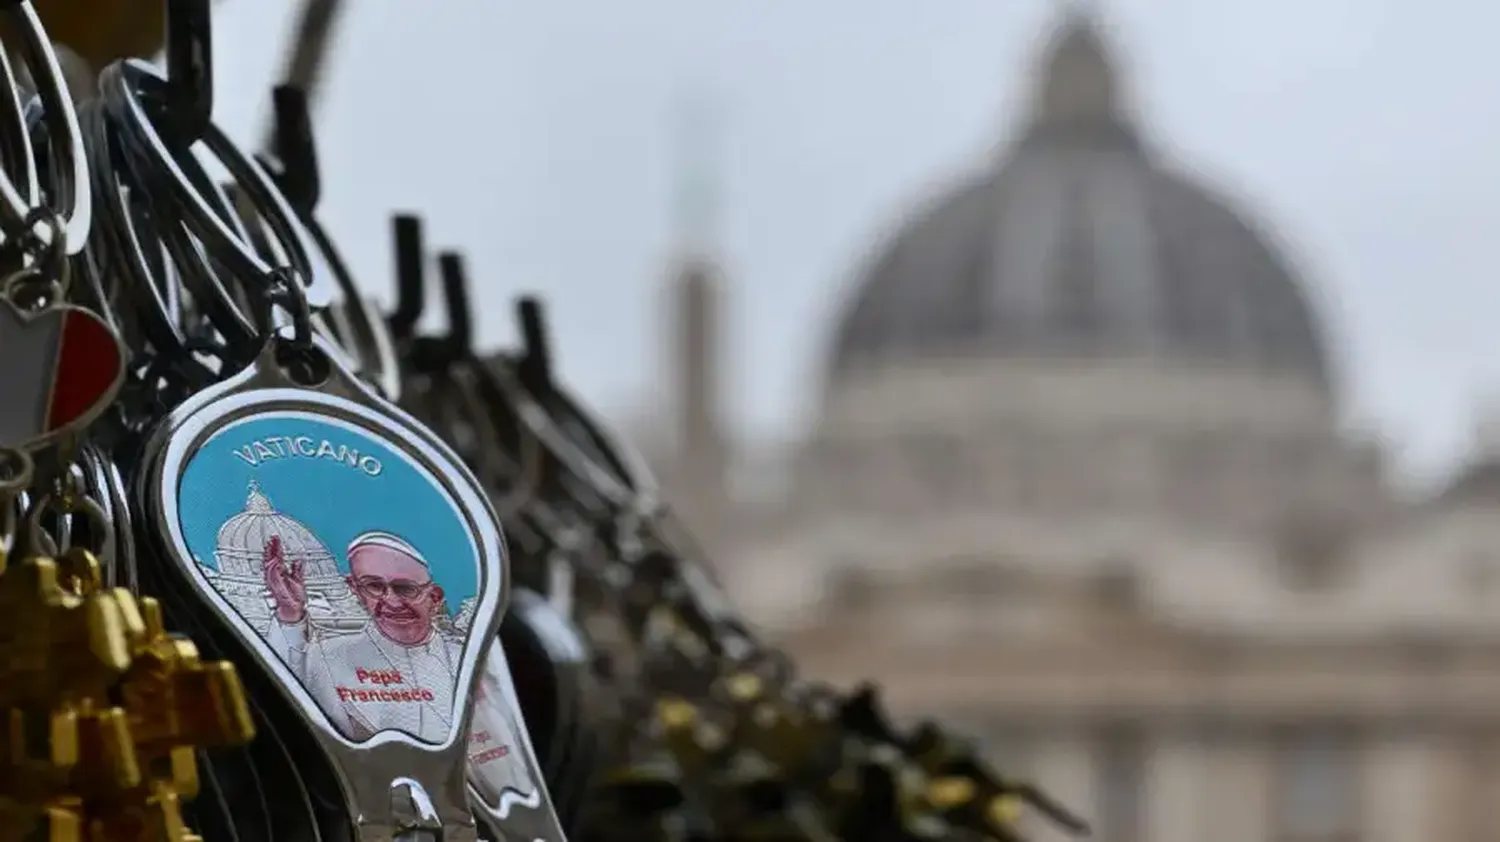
[[460, 338], [190, 81], [535, 365], [439, 354], [411, 289], [295, 149]]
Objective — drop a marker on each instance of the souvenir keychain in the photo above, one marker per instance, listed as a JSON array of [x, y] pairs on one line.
[[505, 777], [505, 780], [255, 484], [293, 478], [63, 364], [506, 785]]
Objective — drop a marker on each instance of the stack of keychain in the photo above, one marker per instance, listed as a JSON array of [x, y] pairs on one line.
[[701, 730], [255, 583]]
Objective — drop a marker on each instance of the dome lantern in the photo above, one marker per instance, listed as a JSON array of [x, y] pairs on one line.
[[256, 501], [1077, 85]]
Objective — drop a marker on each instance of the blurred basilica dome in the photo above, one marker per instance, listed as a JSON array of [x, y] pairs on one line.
[[1080, 366], [1079, 472], [1080, 241]]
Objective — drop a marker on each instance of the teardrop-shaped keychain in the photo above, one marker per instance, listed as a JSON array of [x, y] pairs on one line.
[[331, 539], [292, 479], [507, 783]]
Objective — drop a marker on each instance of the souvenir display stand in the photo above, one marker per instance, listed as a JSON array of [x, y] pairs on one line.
[[277, 567]]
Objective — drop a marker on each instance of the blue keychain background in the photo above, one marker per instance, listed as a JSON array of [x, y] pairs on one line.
[[334, 500]]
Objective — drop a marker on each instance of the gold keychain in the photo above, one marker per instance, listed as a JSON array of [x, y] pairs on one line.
[[103, 709]]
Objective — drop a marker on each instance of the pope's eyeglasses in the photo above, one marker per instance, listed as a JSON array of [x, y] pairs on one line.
[[376, 587]]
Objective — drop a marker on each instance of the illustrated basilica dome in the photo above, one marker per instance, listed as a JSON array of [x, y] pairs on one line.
[[1079, 242], [243, 538], [239, 557]]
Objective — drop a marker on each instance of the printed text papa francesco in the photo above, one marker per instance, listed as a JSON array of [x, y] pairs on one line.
[[382, 679]]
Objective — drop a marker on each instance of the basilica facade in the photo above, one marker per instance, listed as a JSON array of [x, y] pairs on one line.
[[1081, 483]]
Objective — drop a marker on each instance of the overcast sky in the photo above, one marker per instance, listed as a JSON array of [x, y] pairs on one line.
[[537, 137]]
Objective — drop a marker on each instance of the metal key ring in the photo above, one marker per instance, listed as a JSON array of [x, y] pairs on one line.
[[69, 170], [562, 448], [102, 482], [371, 342], [197, 267], [577, 440], [616, 454], [127, 86], [552, 471], [201, 272], [331, 316], [138, 83], [124, 84], [524, 466], [152, 299], [16, 156], [114, 237], [143, 168], [229, 309], [16, 473], [48, 257], [41, 543]]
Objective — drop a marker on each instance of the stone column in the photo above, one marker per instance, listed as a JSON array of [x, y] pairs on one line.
[[1176, 771], [1480, 778], [1235, 803], [1063, 766], [1424, 786], [1399, 789], [1466, 782]]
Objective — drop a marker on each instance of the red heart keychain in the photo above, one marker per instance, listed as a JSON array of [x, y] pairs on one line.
[[60, 367]]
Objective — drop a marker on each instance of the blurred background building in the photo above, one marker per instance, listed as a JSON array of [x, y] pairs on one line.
[[1081, 478], [1081, 475]]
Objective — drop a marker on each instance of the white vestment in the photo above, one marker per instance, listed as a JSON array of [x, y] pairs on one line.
[[368, 683]]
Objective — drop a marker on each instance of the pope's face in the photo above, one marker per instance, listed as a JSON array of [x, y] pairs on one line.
[[397, 590]]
